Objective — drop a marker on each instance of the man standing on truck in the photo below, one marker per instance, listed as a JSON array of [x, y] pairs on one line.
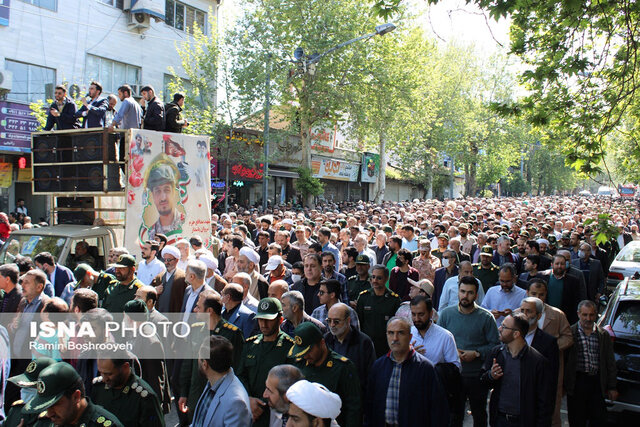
[[163, 186], [118, 295]]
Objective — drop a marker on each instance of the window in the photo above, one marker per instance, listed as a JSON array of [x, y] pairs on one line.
[[627, 319], [183, 17], [45, 4], [112, 74], [187, 87], [115, 3], [30, 82]]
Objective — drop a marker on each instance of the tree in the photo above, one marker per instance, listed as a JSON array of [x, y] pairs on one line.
[[307, 95], [581, 70]]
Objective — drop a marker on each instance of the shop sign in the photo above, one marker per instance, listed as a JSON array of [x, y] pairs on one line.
[[241, 172], [337, 170], [370, 167], [24, 175], [323, 137], [16, 126], [6, 175]]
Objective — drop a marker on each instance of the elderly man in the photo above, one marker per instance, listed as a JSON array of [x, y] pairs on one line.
[[348, 341], [592, 270], [244, 280], [502, 300], [235, 311], [294, 313], [318, 363], [82, 255], [170, 285], [277, 289], [149, 296], [183, 259], [312, 405], [248, 262], [279, 380], [404, 372], [426, 264]]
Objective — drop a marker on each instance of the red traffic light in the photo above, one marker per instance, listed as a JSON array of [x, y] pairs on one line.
[[22, 163]]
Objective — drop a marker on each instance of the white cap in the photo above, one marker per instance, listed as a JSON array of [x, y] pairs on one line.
[[287, 221], [273, 263], [251, 255], [315, 399], [209, 261], [182, 242], [170, 250]]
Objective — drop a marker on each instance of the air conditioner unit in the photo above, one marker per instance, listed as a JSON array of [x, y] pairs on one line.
[[6, 81], [138, 21]]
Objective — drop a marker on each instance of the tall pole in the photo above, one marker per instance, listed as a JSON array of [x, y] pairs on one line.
[[452, 176], [267, 107]]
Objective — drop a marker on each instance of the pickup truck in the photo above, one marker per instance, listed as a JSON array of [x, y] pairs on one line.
[[60, 241]]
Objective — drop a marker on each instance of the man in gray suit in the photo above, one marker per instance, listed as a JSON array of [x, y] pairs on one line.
[[591, 269], [224, 401]]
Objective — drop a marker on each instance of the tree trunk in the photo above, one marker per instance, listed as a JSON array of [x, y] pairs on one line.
[[382, 181], [471, 180], [305, 125]]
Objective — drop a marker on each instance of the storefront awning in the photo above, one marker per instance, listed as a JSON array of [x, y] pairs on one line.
[[155, 8], [283, 173]]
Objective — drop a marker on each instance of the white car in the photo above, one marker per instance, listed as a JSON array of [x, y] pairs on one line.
[[626, 264]]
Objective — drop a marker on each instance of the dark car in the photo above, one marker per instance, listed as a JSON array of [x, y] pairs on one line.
[[622, 320]]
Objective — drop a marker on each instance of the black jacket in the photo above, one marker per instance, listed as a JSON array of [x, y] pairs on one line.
[[154, 115], [93, 115], [547, 345], [172, 114], [570, 296], [359, 350], [67, 118], [536, 403]]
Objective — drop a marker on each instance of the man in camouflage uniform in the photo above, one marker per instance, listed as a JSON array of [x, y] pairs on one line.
[[120, 293], [261, 353], [163, 187], [320, 364], [61, 394]]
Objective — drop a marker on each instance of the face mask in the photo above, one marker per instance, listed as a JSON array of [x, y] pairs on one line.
[[295, 277], [580, 254], [445, 262]]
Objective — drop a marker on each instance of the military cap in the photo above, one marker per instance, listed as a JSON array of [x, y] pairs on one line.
[[126, 260], [80, 271], [443, 236], [161, 174], [306, 335], [30, 375], [424, 245], [487, 250], [387, 229], [552, 239], [525, 234], [268, 309], [565, 235], [463, 226], [372, 228], [135, 306], [546, 227], [363, 259], [51, 385]]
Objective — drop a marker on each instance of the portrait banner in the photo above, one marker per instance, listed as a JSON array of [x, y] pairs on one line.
[[370, 167], [169, 188]]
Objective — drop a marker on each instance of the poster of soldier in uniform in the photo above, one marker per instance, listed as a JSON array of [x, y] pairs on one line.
[[163, 194]]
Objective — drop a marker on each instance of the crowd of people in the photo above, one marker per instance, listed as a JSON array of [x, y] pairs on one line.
[[361, 314]]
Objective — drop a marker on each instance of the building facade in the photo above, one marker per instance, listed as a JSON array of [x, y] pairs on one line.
[[48, 42]]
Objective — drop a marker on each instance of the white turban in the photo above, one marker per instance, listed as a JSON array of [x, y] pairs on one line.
[[209, 261], [251, 255], [541, 241], [315, 399], [171, 250]]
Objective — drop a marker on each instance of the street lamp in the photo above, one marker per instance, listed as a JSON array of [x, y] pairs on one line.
[[306, 61]]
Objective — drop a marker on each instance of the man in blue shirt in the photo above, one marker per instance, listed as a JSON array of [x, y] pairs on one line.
[[129, 116]]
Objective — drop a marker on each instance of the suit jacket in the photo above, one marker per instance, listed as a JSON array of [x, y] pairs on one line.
[[62, 277], [606, 362], [570, 296], [188, 292], [93, 115], [67, 118], [556, 324], [547, 345], [511, 257], [596, 281], [229, 406], [178, 288], [244, 319], [536, 403]]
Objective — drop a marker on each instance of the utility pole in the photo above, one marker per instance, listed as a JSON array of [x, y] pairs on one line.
[[452, 176], [267, 107]]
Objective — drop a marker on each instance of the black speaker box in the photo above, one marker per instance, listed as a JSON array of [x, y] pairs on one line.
[[51, 149], [90, 177], [53, 179], [83, 218], [89, 147]]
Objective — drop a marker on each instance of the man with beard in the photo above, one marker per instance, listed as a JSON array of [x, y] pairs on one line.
[[163, 186], [261, 353], [389, 260], [329, 273], [118, 295], [467, 241], [308, 286], [502, 300], [120, 391], [248, 262], [278, 381], [563, 289], [151, 266], [61, 394], [348, 341], [475, 332], [520, 378], [534, 247], [432, 341], [449, 294], [320, 364]]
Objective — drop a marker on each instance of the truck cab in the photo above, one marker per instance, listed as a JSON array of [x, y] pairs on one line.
[[61, 241]]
